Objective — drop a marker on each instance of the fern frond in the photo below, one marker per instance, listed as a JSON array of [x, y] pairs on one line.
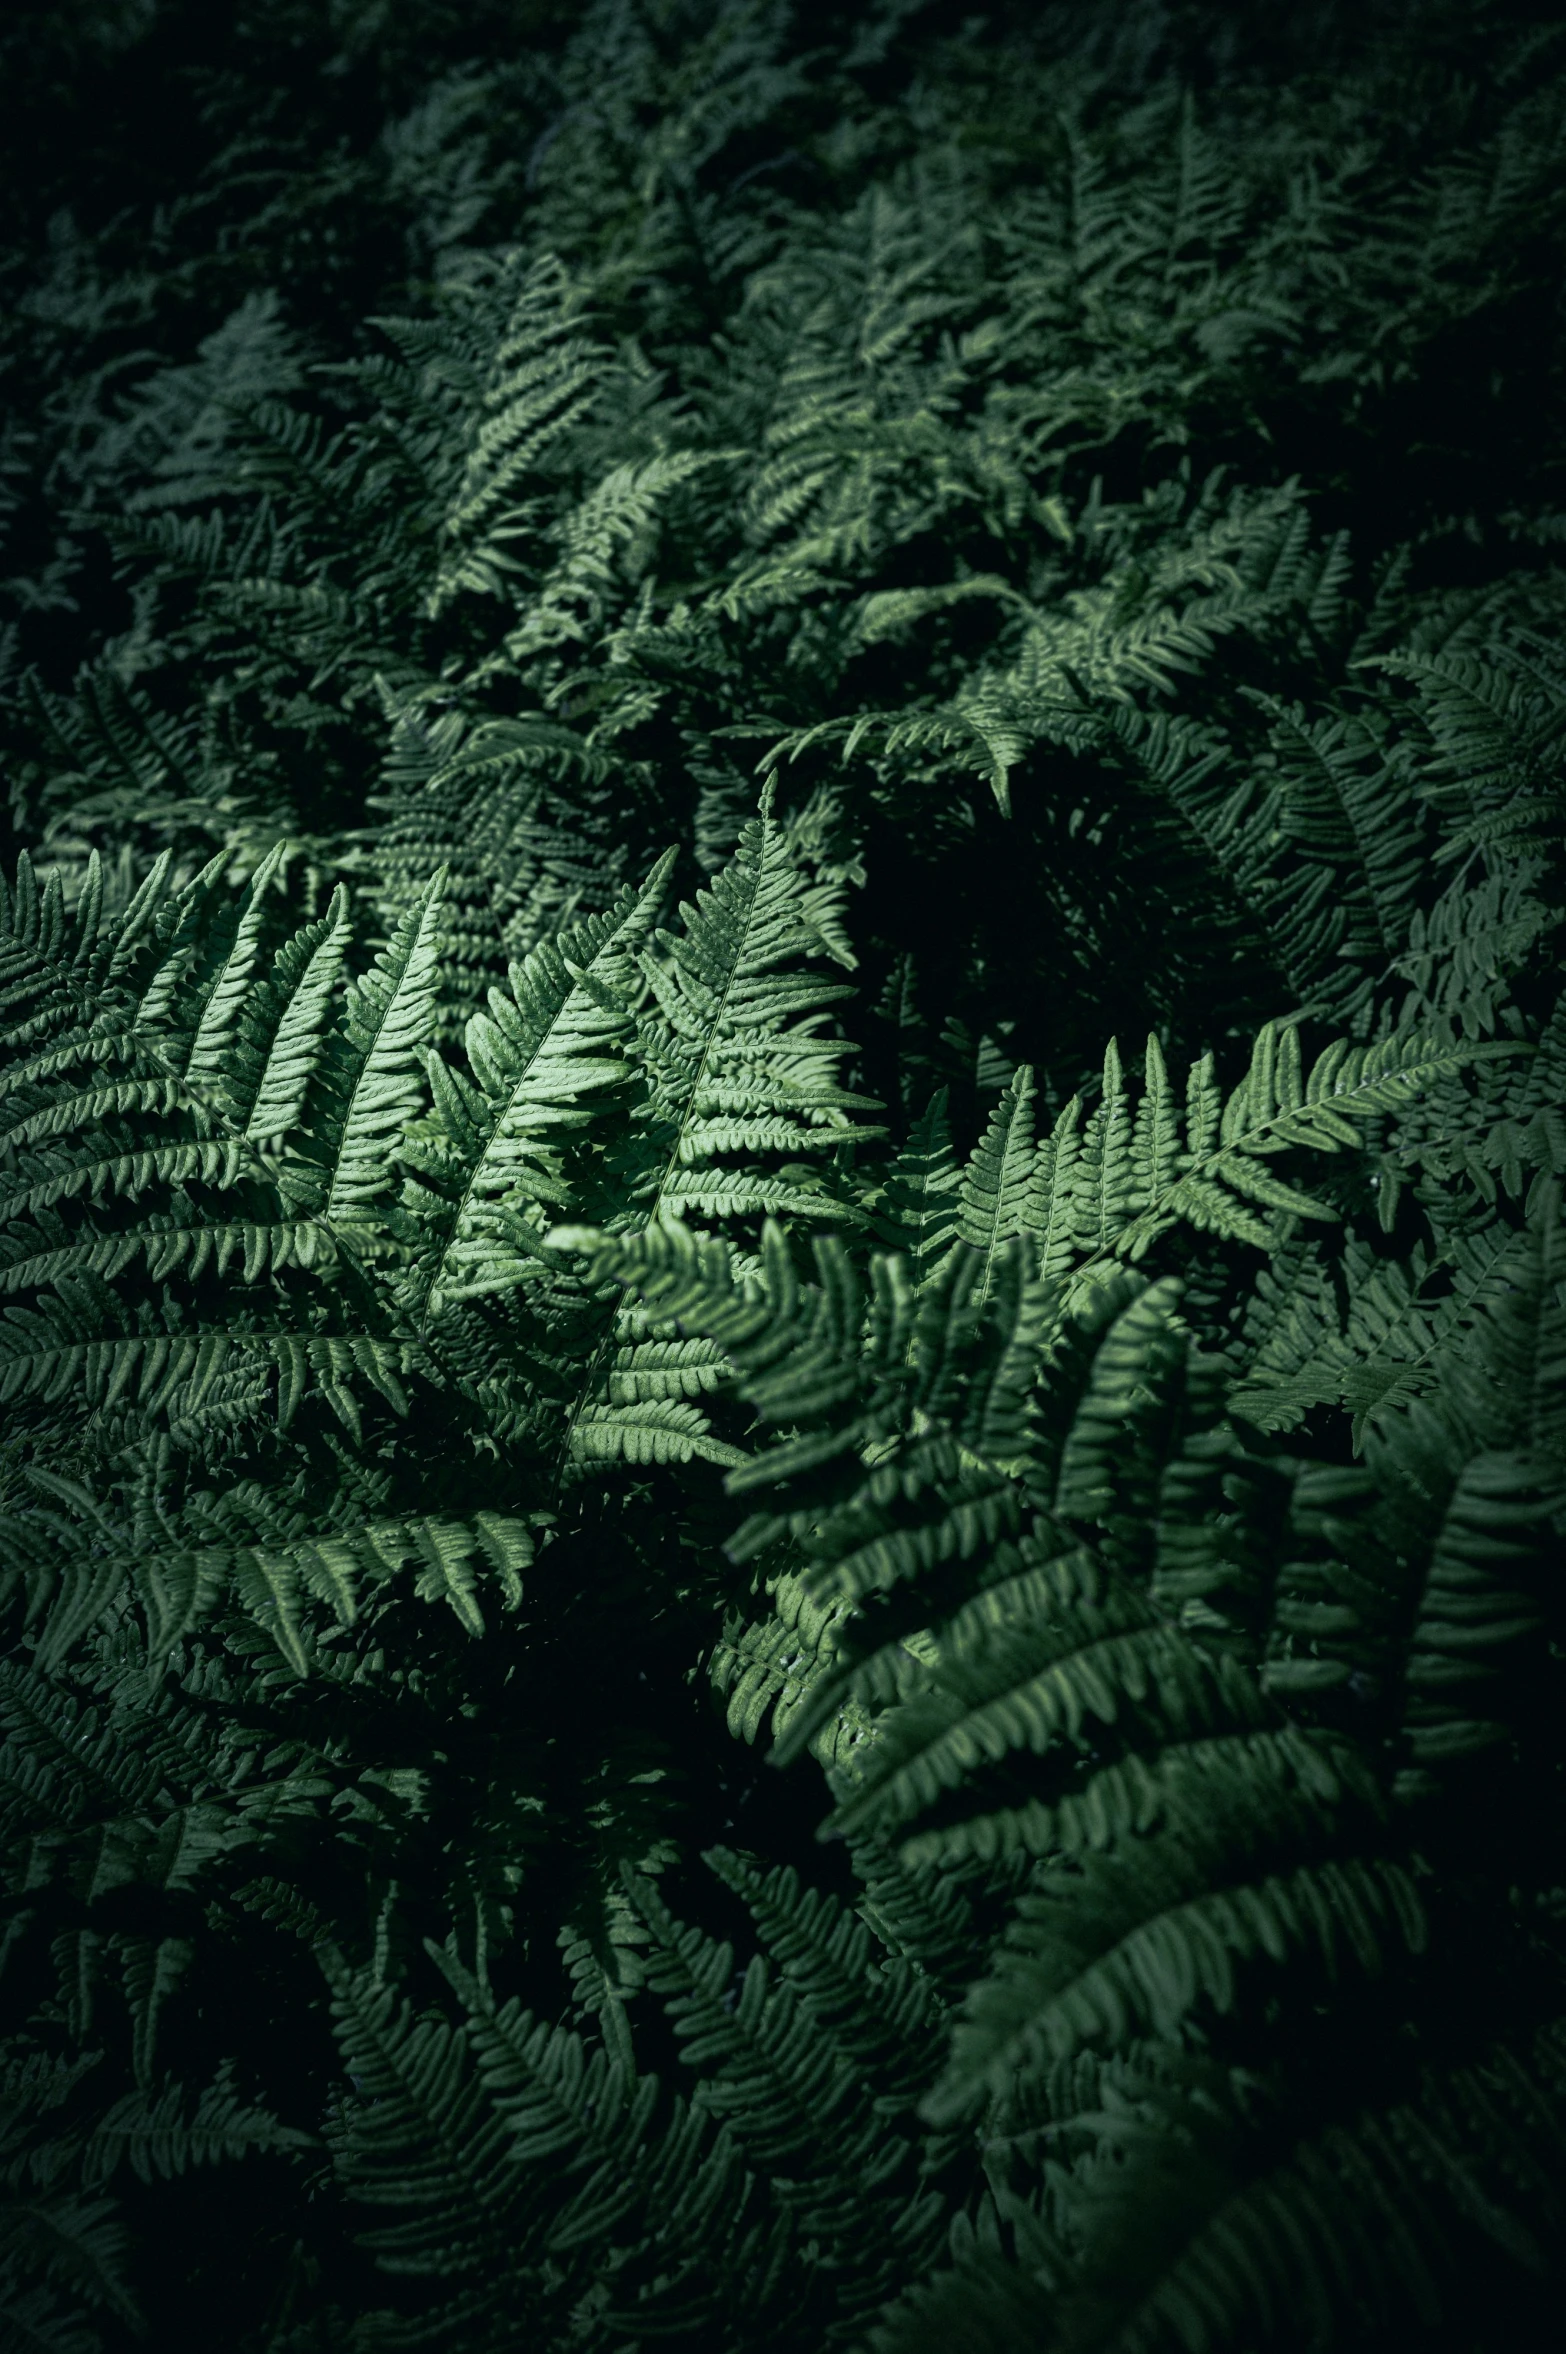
[[554, 1041], [1111, 1948], [540, 379], [380, 1082], [159, 2136], [178, 1586]]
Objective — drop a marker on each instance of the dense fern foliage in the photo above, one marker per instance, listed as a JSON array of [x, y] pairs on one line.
[[782, 1106]]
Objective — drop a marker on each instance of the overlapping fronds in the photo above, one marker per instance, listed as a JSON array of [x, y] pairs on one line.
[[639, 1710]]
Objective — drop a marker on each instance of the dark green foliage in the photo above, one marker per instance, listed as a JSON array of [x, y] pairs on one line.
[[782, 1105]]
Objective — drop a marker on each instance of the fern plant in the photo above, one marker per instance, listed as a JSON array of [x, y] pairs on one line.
[[1118, 1688], [781, 1576], [298, 1155]]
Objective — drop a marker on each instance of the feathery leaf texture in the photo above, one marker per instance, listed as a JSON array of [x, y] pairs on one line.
[[505, 1436]]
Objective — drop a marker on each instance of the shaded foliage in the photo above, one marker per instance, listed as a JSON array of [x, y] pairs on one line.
[[782, 1095]]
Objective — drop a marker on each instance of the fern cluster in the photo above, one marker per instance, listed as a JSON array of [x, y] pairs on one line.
[[782, 1097]]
